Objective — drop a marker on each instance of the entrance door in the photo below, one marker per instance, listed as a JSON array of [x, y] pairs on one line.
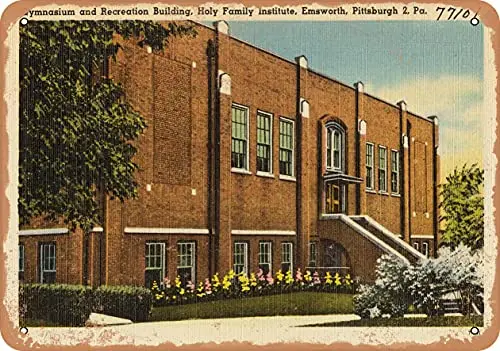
[[333, 201]]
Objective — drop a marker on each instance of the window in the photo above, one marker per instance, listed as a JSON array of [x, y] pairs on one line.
[[286, 257], [186, 261], [369, 166], [425, 248], [265, 256], [394, 172], [21, 262], [239, 142], [264, 142], [240, 264], [312, 254], [335, 148], [155, 263], [47, 263], [416, 246], [286, 147], [382, 169], [334, 198]]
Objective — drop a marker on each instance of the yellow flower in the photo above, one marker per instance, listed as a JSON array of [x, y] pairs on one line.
[[178, 282], [328, 278], [215, 280], [307, 276], [200, 287], [182, 291], [279, 275], [245, 288], [348, 280], [253, 280], [289, 277], [337, 279]]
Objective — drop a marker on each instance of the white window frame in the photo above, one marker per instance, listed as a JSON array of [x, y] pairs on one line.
[[21, 257], [331, 130], [287, 246], [244, 245], [397, 172], [247, 114], [268, 254], [162, 259], [384, 191], [193, 256], [270, 116], [372, 170], [51, 258], [425, 248], [416, 246], [287, 120]]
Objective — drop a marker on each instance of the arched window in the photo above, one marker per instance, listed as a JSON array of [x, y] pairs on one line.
[[335, 147]]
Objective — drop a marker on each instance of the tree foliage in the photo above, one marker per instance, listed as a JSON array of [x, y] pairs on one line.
[[76, 128], [462, 204]]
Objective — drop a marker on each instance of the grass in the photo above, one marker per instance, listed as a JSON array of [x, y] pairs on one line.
[[39, 323], [439, 321], [300, 303]]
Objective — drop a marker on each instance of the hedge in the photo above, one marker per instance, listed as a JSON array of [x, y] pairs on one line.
[[71, 305], [131, 302], [62, 304]]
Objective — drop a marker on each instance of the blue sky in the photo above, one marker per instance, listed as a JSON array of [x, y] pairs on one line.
[[437, 67]]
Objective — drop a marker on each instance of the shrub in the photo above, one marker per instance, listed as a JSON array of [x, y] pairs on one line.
[[62, 304], [130, 302], [389, 293]]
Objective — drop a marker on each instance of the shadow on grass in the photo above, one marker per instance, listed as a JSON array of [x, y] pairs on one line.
[[439, 321]]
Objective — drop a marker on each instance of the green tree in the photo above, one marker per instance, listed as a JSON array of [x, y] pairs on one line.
[[76, 130], [462, 205]]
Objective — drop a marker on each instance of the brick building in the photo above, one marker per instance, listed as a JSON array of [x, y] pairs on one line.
[[250, 160]]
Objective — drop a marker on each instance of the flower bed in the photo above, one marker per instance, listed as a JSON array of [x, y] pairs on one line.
[[233, 285]]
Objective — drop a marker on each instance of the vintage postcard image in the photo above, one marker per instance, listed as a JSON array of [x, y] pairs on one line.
[[201, 173]]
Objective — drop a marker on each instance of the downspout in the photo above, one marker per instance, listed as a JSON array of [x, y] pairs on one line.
[[217, 160], [357, 156], [402, 176], [408, 130], [210, 180], [298, 159], [435, 209]]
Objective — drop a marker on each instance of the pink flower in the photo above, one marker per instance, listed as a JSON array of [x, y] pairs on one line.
[[316, 279], [269, 278], [190, 285], [260, 272], [166, 282], [208, 286], [298, 275]]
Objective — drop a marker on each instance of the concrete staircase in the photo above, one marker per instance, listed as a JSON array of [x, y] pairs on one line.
[[388, 238]]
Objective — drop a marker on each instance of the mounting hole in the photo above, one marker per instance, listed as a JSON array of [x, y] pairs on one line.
[[474, 21], [23, 21], [474, 331], [23, 330]]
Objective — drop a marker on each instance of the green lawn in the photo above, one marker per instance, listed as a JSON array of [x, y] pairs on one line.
[[300, 303], [440, 321]]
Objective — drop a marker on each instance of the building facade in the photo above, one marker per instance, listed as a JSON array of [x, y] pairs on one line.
[[251, 161]]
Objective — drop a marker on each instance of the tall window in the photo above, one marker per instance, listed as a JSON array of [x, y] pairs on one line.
[[240, 264], [239, 142], [264, 142], [21, 262], [369, 166], [416, 246], [312, 254], [334, 148], [186, 252], [47, 263], [425, 248], [394, 172], [286, 147], [155, 264], [265, 256], [382, 169], [286, 257]]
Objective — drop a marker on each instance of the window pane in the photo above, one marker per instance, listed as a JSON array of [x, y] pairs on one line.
[[239, 138]]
